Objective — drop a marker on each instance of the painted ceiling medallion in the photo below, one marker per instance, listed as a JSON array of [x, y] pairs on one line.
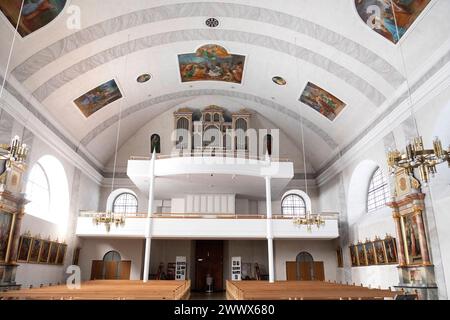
[[279, 81], [322, 101], [35, 14], [211, 62], [383, 15], [99, 97], [143, 78], [212, 22]]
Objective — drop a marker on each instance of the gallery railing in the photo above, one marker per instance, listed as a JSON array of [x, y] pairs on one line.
[[92, 214]]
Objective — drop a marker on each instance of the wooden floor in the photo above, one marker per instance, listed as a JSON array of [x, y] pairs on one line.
[[302, 290], [108, 290]]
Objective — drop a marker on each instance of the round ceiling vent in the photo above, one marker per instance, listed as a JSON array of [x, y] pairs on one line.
[[212, 22], [279, 81], [143, 78]]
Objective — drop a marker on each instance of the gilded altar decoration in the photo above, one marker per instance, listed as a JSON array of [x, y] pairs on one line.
[[390, 18], [211, 62], [376, 252]]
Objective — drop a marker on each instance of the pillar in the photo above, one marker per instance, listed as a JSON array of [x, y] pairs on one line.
[[400, 242], [422, 237], [151, 200], [269, 230]]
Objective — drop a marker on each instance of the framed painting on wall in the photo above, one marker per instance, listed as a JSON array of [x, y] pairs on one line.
[[5, 229], [24, 249], [361, 254], [380, 251], [35, 250], [45, 251], [340, 260], [370, 253], [412, 244], [353, 256], [61, 253], [53, 252], [391, 250]]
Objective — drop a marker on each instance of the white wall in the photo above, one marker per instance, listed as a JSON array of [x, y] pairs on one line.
[[287, 250], [95, 249]]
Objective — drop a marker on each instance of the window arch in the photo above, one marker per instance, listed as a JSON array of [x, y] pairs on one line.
[[304, 257], [378, 193], [38, 192], [112, 256], [125, 203], [293, 205], [48, 190]]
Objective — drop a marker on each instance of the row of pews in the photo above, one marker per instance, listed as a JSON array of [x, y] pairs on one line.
[[303, 290], [108, 290]]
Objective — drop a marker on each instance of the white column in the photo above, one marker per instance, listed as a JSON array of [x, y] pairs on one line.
[[151, 200], [269, 229]]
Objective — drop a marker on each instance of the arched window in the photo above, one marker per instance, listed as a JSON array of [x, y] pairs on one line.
[[125, 203], [112, 256], [304, 257], [48, 192], [268, 144], [216, 117], [38, 192], [207, 117], [378, 193], [293, 205], [155, 143]]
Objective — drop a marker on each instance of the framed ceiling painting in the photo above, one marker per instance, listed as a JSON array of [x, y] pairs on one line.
[[98, 98], [35, 13], [390, 18], [211, 62], [322, 101]]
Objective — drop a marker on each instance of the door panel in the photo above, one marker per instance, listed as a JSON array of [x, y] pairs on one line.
[[208, 260]]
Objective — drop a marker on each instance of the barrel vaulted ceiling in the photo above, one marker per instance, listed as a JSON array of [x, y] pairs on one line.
[[323, 42]]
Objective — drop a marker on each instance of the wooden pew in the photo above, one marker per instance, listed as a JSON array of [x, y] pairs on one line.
[[302, 290], [108, 290]]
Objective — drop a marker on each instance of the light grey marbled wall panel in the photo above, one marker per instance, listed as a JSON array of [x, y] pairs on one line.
[[6, 125], [344, 237], [193, 93], [202, 9], [433, 243], [409, 129], [108, 55], [389, 142]]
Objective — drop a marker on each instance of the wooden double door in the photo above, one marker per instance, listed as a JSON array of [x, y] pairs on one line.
[[110, 270], [305, 271], [208, 261]]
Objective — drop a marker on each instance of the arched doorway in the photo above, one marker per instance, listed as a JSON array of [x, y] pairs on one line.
[[111, 267], [304, 268]]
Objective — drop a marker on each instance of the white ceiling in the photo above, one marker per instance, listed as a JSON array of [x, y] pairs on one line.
[[321, 41]]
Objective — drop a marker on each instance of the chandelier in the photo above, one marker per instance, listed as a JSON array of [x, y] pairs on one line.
[[309, 220], [109, 218], [14, 152], [417, 157]]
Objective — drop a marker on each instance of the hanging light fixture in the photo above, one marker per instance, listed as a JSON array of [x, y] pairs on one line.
[[110, 218], [415, 155], [16, 152], [309, 220]]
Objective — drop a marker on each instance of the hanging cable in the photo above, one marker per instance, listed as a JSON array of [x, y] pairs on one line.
[[11, 50], [118, 128], [405, 72]]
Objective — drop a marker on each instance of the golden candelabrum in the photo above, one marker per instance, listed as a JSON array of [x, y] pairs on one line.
[[309, 220], [14, 152], [417, 157], [109, 218]]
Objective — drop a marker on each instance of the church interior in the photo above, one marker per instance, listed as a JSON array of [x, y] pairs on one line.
[[225, 149]]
